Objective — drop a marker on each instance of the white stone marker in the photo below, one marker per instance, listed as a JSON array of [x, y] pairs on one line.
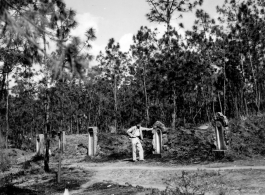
[[92, 141], [157, 141], [40, 144]]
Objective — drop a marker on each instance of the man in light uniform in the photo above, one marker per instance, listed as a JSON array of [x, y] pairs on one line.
[[136, 134]]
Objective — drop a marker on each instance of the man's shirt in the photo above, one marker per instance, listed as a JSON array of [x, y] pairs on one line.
[[135, 132]]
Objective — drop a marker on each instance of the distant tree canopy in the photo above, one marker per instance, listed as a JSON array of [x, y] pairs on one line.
[[216, 66]]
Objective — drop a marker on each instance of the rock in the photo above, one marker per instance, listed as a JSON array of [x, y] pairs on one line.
[[160, 126]]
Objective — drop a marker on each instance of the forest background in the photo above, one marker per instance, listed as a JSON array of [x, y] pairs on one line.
[[180, 80]]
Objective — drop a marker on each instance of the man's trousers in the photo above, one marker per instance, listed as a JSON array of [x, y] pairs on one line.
[[136, 144]]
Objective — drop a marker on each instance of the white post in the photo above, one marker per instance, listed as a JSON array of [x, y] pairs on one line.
[[92, 141], [37, 144], [157, 141]]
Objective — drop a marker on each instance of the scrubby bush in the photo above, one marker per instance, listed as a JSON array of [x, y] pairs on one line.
[[189, 145], [193, 183], [2, 141], [4, 162], [247, 136], [246, 139]]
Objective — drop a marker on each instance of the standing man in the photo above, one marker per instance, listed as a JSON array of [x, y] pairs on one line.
[[136, 135]]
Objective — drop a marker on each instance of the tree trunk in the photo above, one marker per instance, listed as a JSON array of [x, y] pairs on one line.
[[89, 112], [33, 127], [174, 110], [3, 87], [46, 156], [77, 124], [146, 97], [224, 92], [62, 114], [47, 117], [46, 134], [246, 106], [255, 82], [115, 102], [71, 125], [236, 107], [7, 109], [220, 103]]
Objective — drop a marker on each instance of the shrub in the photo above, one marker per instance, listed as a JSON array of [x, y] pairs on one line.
[[4, 162], [2, 140], [247, 136], [194, 183]]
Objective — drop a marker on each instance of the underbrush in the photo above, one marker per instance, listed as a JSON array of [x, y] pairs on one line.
[[5, 165], [13, 190], [188, 146], [194, 183], [5, 162], [246, 140], [247, 137], [114, 144], [2, 141]]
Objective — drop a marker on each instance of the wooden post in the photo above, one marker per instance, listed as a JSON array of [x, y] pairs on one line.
[[63, 141], [46, 153], [60, 160]]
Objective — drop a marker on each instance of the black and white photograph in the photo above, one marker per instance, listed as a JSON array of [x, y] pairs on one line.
[[132, 97]]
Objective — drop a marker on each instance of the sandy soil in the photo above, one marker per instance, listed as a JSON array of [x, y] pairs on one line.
[[238, 179], [82, 176], [89, 177]]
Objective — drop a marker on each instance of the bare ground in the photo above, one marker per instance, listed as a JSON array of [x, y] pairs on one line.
[[82, 176], [239, 179], [126, 177]]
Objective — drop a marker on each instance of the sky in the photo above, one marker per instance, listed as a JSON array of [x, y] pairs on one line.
[[121, 19]]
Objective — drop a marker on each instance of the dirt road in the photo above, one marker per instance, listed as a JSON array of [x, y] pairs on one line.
[[149, 176]]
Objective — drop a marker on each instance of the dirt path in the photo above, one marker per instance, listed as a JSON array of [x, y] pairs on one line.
[[149, 176], [244, 177]]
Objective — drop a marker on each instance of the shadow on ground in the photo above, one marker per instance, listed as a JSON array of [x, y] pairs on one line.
[[36, 181]]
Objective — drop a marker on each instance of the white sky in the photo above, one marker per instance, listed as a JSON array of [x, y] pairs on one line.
[[120, 19]]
